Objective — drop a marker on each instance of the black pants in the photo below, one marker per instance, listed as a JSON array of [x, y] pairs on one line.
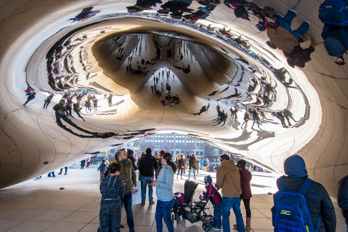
[[247, 206]]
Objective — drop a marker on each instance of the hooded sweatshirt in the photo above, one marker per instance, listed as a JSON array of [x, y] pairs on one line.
[[228, 179], [112, 190], [317, 198]]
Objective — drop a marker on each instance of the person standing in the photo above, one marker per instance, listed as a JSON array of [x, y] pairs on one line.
[[164, 193], [112, 191], [205, 164], [147, 166], [180, 165], [192, 165], [228, 178], [88, 162], [129, 178], [319, 203], [102, 169], [245, 178]]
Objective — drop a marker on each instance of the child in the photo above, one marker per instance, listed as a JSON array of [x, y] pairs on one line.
[[102, 169], [215, 198], [112, 190]]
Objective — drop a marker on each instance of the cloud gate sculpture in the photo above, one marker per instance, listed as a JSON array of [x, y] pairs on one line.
[[105, 73]]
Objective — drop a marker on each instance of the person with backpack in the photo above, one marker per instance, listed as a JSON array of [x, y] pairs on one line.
[[215, 198], [334, 14], [303, 198]]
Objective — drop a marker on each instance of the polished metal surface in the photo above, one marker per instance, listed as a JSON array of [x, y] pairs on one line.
[[102, 53]]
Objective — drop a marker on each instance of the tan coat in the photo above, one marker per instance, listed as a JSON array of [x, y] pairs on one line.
[[228, 178], [282, 39]]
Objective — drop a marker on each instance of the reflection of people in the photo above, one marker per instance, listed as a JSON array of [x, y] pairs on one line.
[[342, 197], [61, 170], [283, 37], [164, 193], [30, 97], [112, 191], [318, 200], [48, 101], [335, 42], [228, 178]]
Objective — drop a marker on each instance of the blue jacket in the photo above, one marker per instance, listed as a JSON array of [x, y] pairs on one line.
[[318, 200], [164, 185], [112, 190], [102, 168], [342, 197]]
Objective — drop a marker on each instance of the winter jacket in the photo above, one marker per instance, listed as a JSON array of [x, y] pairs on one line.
[[102, 167], [228, 178], [342, 197], [282, 39], [164, 185], [112, 190], [245, 178], [212, 194], [181, 164], [192, 162], [127, 173], [318, 200], [147, 165]]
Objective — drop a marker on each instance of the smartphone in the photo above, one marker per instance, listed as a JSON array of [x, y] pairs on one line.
[[149, 181]]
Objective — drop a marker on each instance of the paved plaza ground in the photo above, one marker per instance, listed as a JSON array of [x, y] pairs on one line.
[[39, 205]]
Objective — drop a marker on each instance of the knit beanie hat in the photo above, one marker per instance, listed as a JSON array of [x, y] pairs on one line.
[[242, 163], [208, 179]]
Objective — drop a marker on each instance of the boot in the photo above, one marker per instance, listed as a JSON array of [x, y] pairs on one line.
[[248, 224]]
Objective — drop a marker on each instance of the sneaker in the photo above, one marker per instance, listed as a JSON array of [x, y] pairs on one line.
[[121, 227], [307, 22], [216, 228], [292, 10]]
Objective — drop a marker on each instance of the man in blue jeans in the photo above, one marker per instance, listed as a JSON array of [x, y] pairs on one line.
[[228, 178], [147, 166], [282, 36]]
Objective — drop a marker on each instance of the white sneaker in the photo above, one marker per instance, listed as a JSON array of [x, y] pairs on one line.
[[292, 10], [308, 22]]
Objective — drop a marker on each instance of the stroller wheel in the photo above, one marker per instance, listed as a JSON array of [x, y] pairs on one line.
[[172, 218], [206, 226], [177, 218]]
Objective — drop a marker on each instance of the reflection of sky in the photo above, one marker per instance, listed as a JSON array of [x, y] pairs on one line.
[[274, 139]]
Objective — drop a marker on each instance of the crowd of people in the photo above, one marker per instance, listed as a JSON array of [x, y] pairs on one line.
[[232, 178]]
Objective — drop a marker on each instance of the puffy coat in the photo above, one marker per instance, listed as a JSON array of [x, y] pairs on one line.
[[317, 198]]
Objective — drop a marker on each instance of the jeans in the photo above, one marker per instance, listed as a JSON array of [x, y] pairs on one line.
[[164, 210], [157, 173], [227, 204], [217, 216], [144, 183], [193, 170], [180, 171], [129, 212], [285, 23]]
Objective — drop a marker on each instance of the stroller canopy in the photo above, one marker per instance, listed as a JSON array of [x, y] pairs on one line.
[[189, 190]]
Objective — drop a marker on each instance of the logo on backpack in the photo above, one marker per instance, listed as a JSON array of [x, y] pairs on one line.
[[290, 212]]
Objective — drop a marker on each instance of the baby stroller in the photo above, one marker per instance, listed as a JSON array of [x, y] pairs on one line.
[[189, 209]]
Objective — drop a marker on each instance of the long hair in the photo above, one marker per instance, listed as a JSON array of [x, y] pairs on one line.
[[168, 158]]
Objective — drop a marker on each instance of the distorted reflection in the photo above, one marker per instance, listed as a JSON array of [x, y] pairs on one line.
[[211, 75]]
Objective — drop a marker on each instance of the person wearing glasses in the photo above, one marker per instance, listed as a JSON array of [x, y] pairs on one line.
[[228, 178], [164, 192]]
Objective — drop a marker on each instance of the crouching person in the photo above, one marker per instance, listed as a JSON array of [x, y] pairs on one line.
[[215, 198], [112, 190]]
